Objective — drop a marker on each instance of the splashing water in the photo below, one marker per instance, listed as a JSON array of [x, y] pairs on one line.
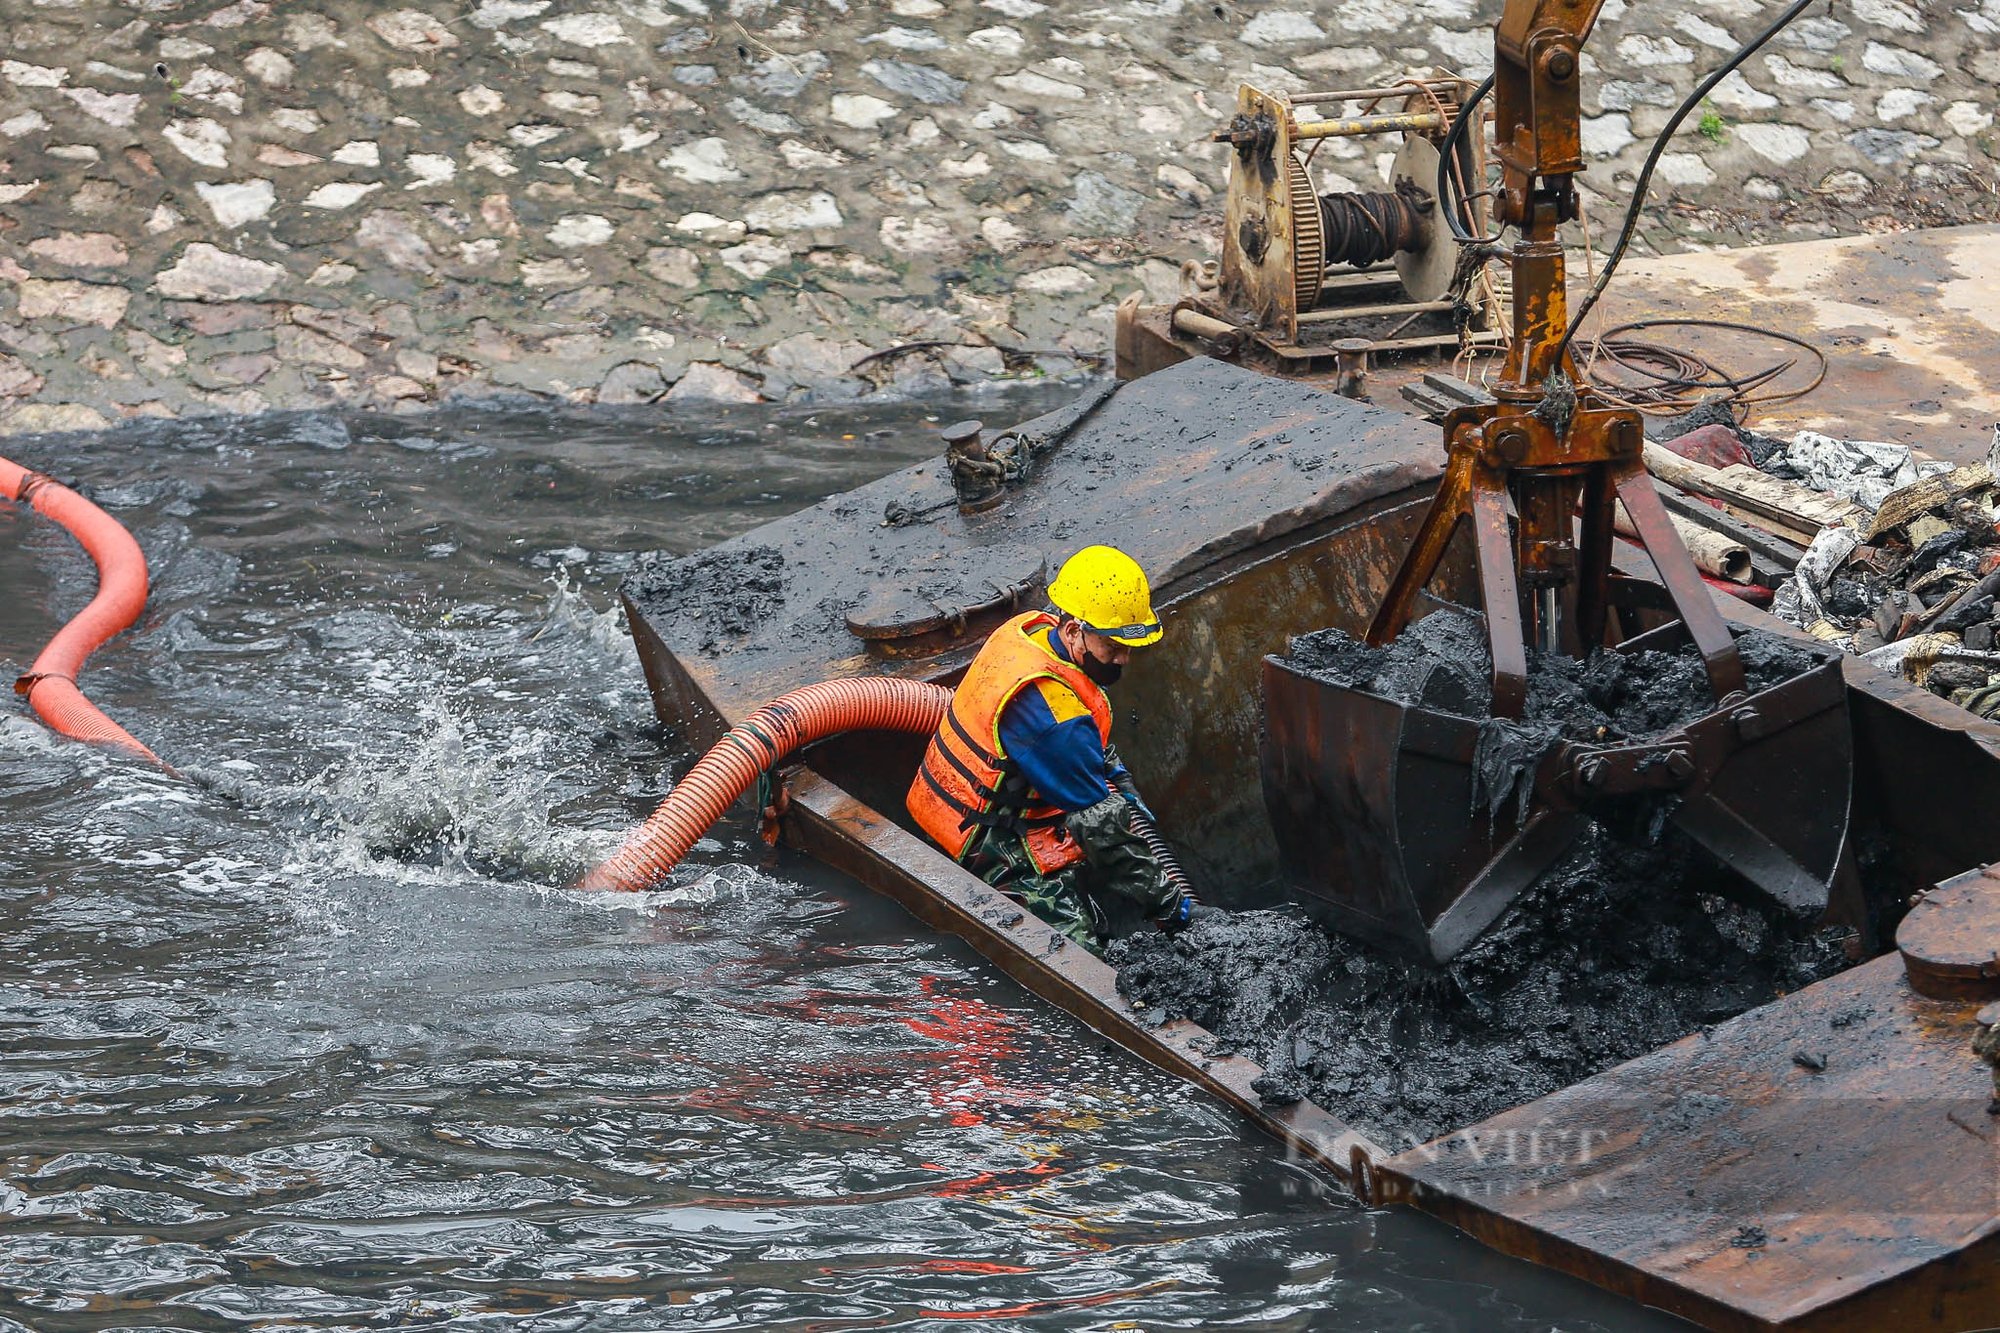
[[319, 1041], [446, 803]]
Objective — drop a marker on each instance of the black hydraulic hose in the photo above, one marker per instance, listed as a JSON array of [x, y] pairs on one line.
[[1149, 833], [1694, 99], [1452, 139]]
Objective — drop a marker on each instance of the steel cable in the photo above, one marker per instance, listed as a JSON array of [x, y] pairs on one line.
[[1639, 188], [1365, 229], [1681, 380], [1448, 165]]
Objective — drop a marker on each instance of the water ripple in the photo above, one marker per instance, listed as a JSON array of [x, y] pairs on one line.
[[322, 1042]]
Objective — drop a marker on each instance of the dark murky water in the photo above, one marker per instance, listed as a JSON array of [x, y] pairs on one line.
[[315, 1044]]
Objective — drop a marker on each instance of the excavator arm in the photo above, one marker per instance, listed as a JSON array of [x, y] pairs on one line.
[[1523, 469], [1538, 475], [1537, 108]]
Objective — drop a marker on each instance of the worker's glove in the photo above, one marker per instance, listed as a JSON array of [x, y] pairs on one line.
[[1186, 912], [1136, 801], [1120, 858]]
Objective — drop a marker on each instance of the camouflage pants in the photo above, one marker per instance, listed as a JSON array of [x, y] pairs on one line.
[[1115, 861]]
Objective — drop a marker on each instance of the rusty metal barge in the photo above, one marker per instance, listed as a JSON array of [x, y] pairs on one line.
[[1864, 1193]]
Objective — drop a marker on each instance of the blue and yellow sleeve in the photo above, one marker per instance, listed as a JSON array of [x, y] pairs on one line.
[[1052, 739]]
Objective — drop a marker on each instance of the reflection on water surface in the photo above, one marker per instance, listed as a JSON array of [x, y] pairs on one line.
[[315, 1044]]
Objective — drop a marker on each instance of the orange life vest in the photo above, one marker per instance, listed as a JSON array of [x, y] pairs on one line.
[[959, 785]]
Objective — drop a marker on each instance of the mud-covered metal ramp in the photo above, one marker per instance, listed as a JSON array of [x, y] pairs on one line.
[[1826, 1162], [1265, 508]]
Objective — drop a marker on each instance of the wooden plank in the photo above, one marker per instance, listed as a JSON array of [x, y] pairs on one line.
[[1437, 340], [1796, 508], [1330, 313], [1799, 535], [1386, 276], [1685, 473], [1433, 406], [1461, 391], [1780, 551], [1910, 502], [1321, 352]]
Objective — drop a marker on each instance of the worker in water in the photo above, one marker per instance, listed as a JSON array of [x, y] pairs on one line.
[[1021, 784]]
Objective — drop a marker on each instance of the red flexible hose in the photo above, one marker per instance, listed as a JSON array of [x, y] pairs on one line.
[[50, 683], [761, 742]]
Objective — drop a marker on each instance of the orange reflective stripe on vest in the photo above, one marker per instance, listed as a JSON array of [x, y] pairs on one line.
[[958, 786]]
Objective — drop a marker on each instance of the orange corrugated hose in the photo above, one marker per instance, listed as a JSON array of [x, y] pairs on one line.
[[762, 741], [121, 593]]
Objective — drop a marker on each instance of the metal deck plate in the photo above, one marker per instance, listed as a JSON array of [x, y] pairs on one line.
[[1826, 1161], [1181, 470]]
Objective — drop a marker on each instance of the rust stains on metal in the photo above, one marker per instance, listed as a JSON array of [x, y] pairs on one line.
[[1261, 221], [1823, 1162], [1257, 534], [1192, 467], [1950, 941]]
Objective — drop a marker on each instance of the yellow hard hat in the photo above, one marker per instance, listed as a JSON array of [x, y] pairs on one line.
[[1105, 589]]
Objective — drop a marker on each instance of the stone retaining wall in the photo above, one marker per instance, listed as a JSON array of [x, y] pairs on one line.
[[260, 205]]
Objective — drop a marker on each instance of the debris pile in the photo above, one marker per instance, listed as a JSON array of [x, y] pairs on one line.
[[1909, 577], [1443, 662]]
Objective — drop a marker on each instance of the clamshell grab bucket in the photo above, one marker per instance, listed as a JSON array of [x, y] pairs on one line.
[[1385, 831]]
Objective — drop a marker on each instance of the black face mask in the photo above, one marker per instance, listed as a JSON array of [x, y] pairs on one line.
[[1103, 673]]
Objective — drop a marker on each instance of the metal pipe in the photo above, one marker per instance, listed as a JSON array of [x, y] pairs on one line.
[[1547, 639], [1223, 338], [1351, 95], [1351, 367], [1333, 313], [1359, 125]]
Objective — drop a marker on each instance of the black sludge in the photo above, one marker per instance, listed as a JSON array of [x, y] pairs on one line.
[[1618, 950], [1442, 662], [320, 1041], [1634, 939]]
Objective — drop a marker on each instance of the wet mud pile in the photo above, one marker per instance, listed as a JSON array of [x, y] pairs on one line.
[[1635, 938], [1442, 662], [723, 592], [1618, 950]]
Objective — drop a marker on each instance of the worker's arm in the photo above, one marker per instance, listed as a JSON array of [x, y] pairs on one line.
[[1122, 781], [1052, 742]]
